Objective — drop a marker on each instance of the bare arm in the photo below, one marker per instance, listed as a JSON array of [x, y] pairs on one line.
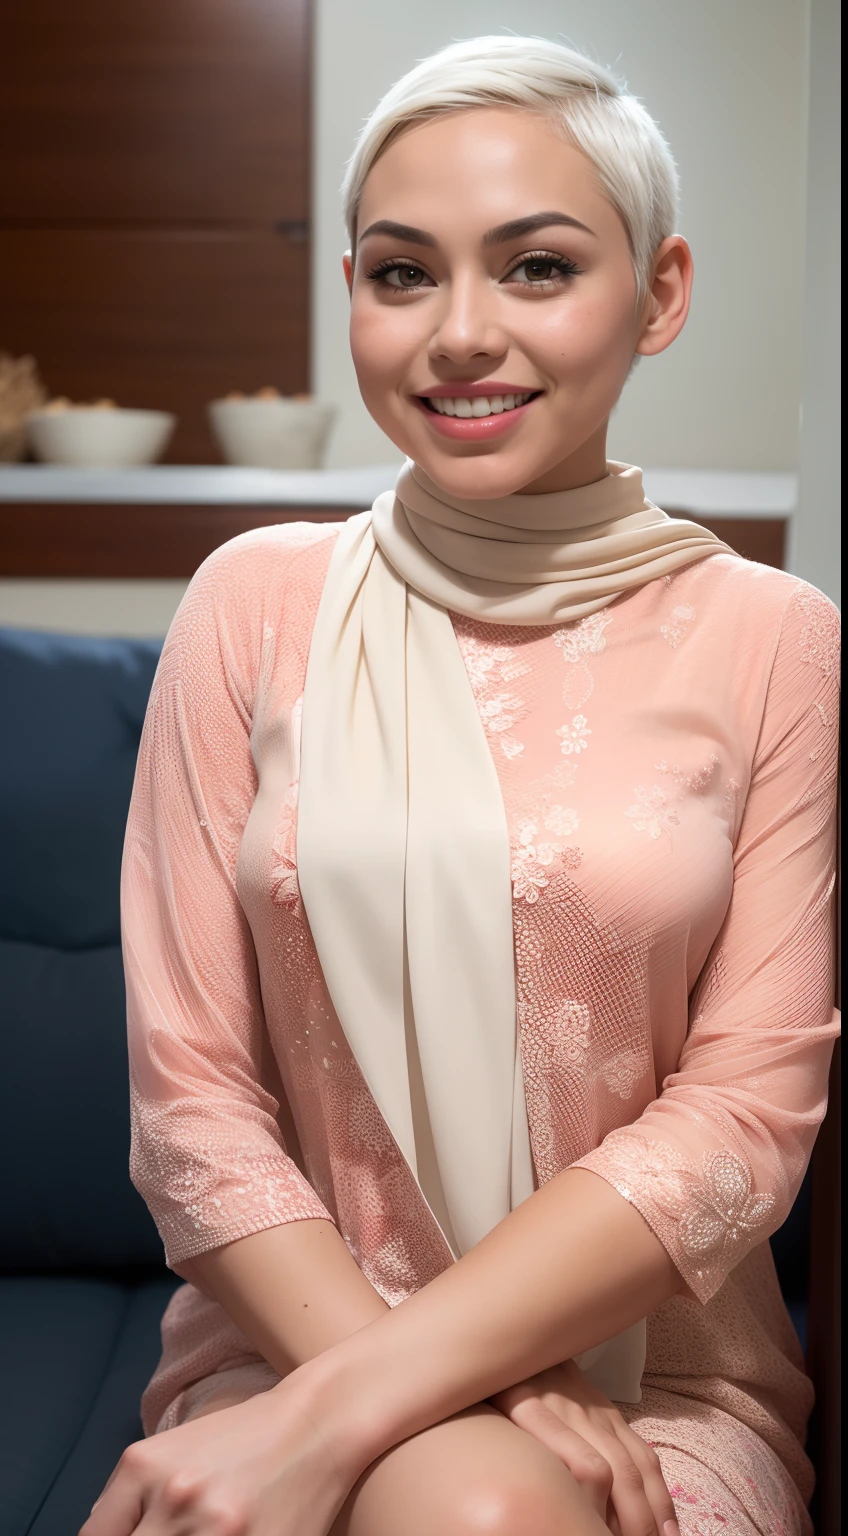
[[293, 1290], [569, 1268]]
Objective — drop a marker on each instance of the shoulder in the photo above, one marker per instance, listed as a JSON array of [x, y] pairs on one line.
[[266, 581], [762, 601], [251, 561], [266, 574]]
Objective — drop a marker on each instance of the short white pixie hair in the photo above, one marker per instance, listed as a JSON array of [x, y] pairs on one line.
[[580, 99]]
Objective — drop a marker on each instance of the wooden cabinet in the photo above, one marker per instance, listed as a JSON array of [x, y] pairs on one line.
[[162, 538], [154, 228]]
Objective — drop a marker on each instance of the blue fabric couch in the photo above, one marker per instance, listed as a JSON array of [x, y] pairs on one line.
[[83, 1282]]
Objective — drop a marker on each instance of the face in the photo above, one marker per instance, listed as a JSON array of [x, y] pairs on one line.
[[493, 304]]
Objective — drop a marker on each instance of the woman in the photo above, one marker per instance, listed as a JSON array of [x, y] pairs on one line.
[[478, 900]]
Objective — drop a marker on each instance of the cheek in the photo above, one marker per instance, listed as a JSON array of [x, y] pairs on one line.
[[594, 330], [381, 343]]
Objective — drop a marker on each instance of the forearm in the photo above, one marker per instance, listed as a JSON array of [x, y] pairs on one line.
[[571, 1267], [294, 1290]]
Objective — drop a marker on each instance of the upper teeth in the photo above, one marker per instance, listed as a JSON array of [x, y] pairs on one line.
[[481, 405]]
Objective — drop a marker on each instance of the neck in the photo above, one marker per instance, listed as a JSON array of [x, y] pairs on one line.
[[587, 464]]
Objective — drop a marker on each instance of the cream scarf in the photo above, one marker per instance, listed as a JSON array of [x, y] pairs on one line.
[[402, 843]]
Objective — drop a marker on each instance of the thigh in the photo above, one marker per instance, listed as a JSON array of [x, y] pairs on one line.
[[722, 1476]]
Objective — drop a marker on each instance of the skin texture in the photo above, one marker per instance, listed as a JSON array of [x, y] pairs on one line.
[[454, 1411]]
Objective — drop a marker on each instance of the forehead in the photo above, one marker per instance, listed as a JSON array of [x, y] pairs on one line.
[[476, 168]]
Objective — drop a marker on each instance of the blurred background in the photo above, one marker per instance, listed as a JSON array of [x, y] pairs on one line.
[[170, 235]]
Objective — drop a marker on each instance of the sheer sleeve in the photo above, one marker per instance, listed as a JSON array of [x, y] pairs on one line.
[[206, 1152], [715, 1162]]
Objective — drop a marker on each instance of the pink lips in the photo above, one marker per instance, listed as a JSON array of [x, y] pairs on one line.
[[472, 429]]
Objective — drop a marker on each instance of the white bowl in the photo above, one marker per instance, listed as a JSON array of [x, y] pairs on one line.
[[96, 436], [272, 434]]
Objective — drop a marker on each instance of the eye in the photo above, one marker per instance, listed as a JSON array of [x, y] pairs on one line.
[[406, 277], [398, 275], [542, 270]]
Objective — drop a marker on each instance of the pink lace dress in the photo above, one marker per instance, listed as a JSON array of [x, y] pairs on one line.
[[668, 766]]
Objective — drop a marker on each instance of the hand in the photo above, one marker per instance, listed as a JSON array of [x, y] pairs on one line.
[[619, 1472], [260, 1468]]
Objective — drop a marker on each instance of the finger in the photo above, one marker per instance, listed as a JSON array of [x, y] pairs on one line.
[[118, 1510], [587, 1466], [648, 1462], [628, 1497]]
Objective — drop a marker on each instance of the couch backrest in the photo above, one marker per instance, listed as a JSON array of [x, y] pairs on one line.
[[71, 710]]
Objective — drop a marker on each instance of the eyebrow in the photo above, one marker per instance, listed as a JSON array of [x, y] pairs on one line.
[[515, 229]]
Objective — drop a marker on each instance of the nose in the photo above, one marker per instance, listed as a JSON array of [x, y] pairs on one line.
[[467, 325]]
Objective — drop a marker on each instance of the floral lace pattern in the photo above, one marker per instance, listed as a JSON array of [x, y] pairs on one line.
[[284, 884], [655, 810], [621, 1073], [678, 625], [716, 1214], [583, 638], [492, 669], [819, 639], [573, 736], [532, 859], [725, 1211]]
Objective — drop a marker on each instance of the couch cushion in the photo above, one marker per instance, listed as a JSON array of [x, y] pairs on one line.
[[77, 1355], [64, 1114], [73, 708]]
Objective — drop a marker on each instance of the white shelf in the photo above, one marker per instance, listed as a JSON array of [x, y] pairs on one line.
[[708, 493], [201, 485]]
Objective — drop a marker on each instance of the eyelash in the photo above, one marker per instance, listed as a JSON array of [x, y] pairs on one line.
[[563, 265]]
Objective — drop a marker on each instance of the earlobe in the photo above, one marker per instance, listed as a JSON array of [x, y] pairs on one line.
[[671, 290]]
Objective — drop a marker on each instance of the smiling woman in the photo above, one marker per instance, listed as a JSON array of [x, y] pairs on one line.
[[477, 905], [492, 264]]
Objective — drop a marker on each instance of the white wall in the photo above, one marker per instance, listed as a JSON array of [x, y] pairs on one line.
[[816, 534], [726, 83], [96, 607]]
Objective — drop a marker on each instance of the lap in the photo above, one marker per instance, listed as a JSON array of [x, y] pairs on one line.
[[723, 1478]]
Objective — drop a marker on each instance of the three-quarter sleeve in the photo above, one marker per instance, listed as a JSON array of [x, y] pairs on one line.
[[715, 1162], [206, 1154]]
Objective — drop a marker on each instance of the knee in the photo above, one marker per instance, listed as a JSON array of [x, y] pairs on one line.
[[504, 1506]]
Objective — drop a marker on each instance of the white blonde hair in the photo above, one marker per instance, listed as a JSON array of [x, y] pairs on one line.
[[582, 100]]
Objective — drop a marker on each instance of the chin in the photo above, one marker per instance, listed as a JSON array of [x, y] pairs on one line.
[[483, 476], [473, 486]]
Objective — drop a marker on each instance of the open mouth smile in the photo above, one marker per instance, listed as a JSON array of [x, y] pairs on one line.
[[475, 417]]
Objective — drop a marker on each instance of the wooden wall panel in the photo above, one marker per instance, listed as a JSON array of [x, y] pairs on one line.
[[167, 111], [162, 319], [757, 538], [154, 216], [56, 539]]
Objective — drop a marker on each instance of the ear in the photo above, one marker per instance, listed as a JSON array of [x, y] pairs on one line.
[[667, 304], [347, 268]]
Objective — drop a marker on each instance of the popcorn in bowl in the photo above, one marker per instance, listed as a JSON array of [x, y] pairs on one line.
[[269, 430], [97, 433], [21, 391]]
